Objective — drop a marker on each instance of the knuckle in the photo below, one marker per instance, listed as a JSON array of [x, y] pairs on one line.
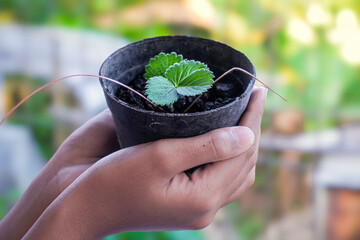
[[204, 206], [251, 152], [160, 156], [251, 178], [217, 143], [202, 222], [252, 160]]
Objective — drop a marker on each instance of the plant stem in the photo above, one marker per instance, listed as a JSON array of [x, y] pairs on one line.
[[76, 75], [226, 73], [171, 107]]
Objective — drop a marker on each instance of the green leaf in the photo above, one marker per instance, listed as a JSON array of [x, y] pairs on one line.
[[191, 91], [168, 82], [161, 91], [179, 71], [201, 77], [160, 63]]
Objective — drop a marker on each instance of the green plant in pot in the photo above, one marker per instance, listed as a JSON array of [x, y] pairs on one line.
[[171, 71], [169, 76], [136, 124]]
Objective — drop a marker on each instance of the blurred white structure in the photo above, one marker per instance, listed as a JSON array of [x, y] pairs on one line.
[[337, 167], [54, 52], [20, 159], [344, 139], [334, 171]]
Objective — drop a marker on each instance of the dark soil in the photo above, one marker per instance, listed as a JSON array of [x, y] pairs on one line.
[[219, 95]]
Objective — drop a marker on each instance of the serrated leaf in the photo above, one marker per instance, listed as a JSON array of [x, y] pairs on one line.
[[201, 77], [187, 77], [179, 71], [161, 91], [191, 91], [160, 63]]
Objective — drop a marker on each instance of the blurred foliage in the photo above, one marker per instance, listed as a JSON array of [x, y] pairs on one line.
[[173, 235], [35, 113], [302, 49], [7, 200], [308, 51], [247, 224]]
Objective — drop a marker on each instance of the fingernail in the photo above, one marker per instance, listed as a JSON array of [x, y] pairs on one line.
[[243, 136]]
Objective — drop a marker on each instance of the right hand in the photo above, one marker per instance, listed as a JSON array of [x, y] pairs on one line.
[[145, 188]]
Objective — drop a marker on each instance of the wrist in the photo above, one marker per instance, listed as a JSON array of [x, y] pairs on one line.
[[65, 218], [37, 197]]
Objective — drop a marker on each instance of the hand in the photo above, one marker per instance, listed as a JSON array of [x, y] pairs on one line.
[[145, 187], [84, 147]]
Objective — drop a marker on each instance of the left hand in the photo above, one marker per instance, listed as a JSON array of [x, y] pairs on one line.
[[91, 142]]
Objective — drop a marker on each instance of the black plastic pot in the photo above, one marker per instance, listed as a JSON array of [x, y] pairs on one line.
[[135, 126]]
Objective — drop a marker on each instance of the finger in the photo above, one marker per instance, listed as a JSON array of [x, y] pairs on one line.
[[242, 175], [251, 119], [254, 109], [246, 184], [226, 176], [96, 138], [222, 174], [178, 155]]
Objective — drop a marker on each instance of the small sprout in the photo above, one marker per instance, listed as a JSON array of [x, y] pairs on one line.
[[169, 76]]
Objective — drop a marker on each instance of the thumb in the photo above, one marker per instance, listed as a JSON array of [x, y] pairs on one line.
[[216, 145]]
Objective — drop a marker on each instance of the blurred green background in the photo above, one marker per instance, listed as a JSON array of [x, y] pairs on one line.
[[308, 51]]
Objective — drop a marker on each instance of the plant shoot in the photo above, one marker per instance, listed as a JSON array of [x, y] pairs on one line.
[[169, 76]]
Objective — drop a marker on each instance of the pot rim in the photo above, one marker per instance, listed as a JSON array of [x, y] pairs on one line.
[[167, 114]]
